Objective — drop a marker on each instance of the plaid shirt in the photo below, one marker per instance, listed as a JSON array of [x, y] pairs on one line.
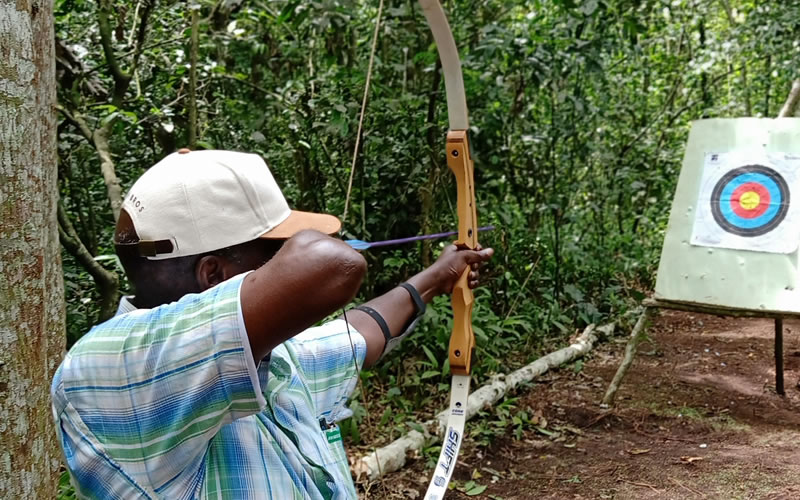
[[168, 403]]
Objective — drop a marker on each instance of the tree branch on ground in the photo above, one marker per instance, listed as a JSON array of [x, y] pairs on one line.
[[393, 456]]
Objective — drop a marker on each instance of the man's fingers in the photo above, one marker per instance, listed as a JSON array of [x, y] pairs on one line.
[[462, 258], [478, 256]]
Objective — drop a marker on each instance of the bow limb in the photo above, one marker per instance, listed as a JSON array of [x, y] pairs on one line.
[[459, 160]]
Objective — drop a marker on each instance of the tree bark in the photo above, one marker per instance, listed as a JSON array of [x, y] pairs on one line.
[[31, 287]]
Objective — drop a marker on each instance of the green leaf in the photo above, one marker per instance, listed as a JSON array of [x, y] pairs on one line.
[[416, 426], [475, 489], [544, 431], [431, 357]]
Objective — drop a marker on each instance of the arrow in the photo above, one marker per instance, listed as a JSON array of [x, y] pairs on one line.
[[363, 245]]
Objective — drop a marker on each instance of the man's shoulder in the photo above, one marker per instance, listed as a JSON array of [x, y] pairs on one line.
[[191, 310], [112, 331]]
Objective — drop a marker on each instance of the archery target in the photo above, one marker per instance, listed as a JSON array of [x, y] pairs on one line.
[[750, 201], [745, 202]]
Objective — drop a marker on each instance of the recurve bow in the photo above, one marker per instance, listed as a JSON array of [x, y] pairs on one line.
[[459, 160]]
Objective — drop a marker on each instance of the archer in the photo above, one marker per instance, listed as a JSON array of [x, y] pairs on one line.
[[211, 381]]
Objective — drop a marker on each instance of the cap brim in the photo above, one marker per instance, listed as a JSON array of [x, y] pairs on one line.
[[298, 221]]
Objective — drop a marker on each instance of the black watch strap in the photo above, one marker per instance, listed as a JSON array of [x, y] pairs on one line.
[[378, 319], [416, 297]]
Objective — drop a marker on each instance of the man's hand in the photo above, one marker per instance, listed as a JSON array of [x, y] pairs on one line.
[[442, 275], [451, 263]]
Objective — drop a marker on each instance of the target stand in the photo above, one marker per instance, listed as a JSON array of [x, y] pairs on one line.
[[731, 246]]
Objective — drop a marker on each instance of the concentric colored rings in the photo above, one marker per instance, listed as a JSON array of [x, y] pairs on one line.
[[750, 200]]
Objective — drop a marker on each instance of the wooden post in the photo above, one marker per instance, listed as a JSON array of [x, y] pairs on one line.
[[637, 335], [779, 357]]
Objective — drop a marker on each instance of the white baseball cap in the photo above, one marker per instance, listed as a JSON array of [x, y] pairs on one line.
[[193, 202]]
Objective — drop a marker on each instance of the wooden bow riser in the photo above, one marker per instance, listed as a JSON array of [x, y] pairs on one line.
[[462, 340]]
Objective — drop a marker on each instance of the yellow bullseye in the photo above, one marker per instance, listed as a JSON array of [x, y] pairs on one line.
[[749, 200]]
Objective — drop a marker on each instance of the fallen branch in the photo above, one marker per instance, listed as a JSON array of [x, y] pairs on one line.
[[392, 457]]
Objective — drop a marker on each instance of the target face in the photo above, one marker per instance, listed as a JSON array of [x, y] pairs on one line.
[[745, 202], [750, 201]]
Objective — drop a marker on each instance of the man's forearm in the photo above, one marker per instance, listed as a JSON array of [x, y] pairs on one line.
[[397, 309]]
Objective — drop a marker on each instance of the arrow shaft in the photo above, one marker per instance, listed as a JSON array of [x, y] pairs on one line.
[[400, 241]]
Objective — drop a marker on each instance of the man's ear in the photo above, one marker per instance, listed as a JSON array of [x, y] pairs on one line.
[[209, 271]]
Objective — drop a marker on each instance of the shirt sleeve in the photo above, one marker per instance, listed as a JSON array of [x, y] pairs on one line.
[[329, 358], [153, 387]]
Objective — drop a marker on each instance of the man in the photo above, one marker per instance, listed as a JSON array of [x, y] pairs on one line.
[[211, 381]]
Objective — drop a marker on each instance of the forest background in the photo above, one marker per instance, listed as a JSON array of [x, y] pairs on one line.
[[579, 114]]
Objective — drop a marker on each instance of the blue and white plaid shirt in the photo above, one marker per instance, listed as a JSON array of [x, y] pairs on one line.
[[168, 403]]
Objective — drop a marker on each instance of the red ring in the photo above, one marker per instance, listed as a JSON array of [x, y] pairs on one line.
[[763, 203]]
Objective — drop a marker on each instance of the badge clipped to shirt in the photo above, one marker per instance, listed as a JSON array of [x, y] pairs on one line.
[[333, 434]]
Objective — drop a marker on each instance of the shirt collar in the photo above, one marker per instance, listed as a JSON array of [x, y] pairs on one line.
[[125, 305]]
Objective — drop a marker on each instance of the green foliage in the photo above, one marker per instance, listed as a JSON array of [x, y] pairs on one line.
[[65, 489], [579, 114]]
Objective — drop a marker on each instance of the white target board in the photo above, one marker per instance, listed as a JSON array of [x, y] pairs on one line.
[[734, 228], [745, 202]]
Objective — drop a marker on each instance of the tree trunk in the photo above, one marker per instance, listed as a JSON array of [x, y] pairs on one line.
[[789, 107], [31, 287]]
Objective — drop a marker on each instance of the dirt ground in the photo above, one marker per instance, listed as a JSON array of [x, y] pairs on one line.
[[696, 417]]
